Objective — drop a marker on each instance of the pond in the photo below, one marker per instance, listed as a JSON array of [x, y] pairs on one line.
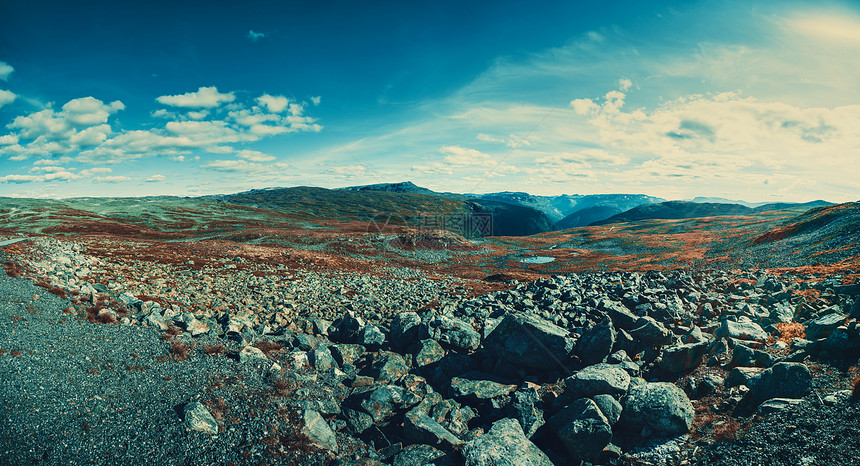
[[535, 259]]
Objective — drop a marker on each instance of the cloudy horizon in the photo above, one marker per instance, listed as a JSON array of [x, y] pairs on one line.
[[756, 101]]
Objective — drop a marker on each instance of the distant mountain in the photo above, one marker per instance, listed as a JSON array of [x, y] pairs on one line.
[[720, 200], [402, 187], [587, 216], [512, 220], [687, 209], [791, 205], [561, 206], [676, 210]]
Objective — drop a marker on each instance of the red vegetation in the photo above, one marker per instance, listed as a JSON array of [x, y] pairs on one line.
[[212, 350], [181, 351], [268, 347], [13, 269]]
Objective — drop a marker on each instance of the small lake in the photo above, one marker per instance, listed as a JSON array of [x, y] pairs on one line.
[[535, 259]]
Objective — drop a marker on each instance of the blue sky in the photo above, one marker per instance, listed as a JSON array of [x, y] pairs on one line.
[[740, 99]]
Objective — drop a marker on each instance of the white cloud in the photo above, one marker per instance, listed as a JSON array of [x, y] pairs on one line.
[[205, 97], [255, 36], [6, 97], [53, 161], [234, 166], [88, 111], [111, 179], [5, 70], [8, 139], [156, 178], [96, 171], [829, 27], [584, 106], [198, 115], [316, 100], [254, 156], [50, 169], [275, 103], [457, 155], [583, 158]]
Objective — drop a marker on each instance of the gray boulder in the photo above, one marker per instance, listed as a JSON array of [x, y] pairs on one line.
[[783, 380], [504, 445], [822, 326], [582, 428], [596, 343], [609, 406], [743, 355], [318, 431], [388, 366], [473, 386], [682, 358], [648, 330], [598, 379], [452, 332], [418, 427], [404, 329], [417, 455], [531, 342], [426, 352], [743, 330], [659, 406], [524, 407]]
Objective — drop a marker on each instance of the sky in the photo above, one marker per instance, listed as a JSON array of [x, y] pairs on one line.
[[750, 100]]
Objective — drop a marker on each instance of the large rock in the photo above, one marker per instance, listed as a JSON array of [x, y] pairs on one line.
[[318, 431], [380, 403], [822, 326], [404, 329], [347, 329], [426, 352], [477, 387], [660, 406], [682, 358], [743, 355], [530, 342], [452, 332], [388, 366], [609, 406], [417, 455], [418, 427], [504, 445], [597, 380], [744, 330], [618, 312], [648, 330], [583, 429], [198, 418], [783, 380], [525, 408], [596, 343]]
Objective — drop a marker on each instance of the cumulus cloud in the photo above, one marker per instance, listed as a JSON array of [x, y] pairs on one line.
[[156, 178], [82, 128], [275, 103], [6, 97], [5, 70], [456, 155], [316, 100], [254, 156], [89, 111], [205, 97]]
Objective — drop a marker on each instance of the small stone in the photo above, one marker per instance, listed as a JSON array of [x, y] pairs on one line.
[[774, 405], [250, 353], [198, 418], [318, 431]]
